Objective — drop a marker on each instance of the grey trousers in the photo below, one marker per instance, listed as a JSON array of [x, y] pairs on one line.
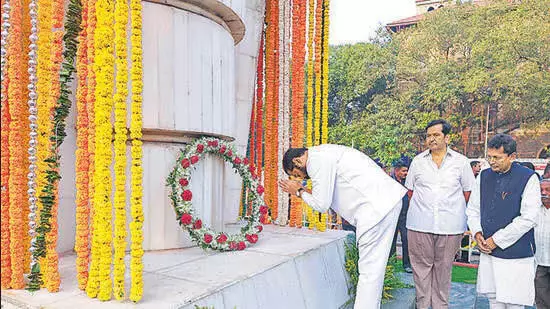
[[432, 258], [542, 287]]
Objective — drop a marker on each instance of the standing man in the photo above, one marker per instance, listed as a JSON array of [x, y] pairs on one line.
[[355, 187], [476, 167], [400, 174], [542, 255], [502, 212], [439, 181]]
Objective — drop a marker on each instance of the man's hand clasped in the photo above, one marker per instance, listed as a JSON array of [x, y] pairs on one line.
[[290, 186], [485, 245]]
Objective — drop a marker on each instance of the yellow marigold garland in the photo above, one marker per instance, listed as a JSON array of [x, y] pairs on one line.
[[5, 260], [17, 180], [82, 238], [92, 286], [324, 69], [121, 19], [104, 69], [136, 207]]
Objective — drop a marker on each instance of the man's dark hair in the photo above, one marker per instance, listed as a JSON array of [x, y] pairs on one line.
[[474, 163], [528, 165], [400, 164], [503, 140], [290, 154], [446, 126]]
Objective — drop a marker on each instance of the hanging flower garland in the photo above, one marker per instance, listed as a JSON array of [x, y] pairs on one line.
[[44, 111], [121, 20], [271, 95], [136, 123], [48, 191], [298, 61], [324, 70], [82, 238], [282, 110], [5, 260], [259, 122], [104, 69], [92, 284], [26, 32], [182, 196], [17, 166], [33, 112]]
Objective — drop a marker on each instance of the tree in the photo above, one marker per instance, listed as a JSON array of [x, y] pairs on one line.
[[456, 64]]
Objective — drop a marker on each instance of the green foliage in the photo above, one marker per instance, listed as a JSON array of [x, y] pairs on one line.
[[391, 281], [455, 64]]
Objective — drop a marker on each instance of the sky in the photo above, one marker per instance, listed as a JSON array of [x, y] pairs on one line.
[[353, 21]]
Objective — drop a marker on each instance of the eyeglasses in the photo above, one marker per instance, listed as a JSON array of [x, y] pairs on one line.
[[495, 159]]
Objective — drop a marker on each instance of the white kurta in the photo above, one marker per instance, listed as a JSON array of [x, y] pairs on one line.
[[351, 184], [512, 280], [363, 194]]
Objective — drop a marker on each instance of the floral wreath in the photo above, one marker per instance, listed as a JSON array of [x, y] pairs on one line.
[[181, 196]]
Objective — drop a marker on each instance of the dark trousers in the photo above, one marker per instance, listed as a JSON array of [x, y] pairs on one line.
[[402, 228], [542, 287]]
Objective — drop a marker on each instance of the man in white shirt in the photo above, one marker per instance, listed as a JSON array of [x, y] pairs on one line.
[[542, 255], [439, 181], [355, 187], [502, 212]]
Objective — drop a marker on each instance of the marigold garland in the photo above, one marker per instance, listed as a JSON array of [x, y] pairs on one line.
[[324, 70], [5, 260], [104, 70], [283, 107], [33, 111], [82, 238], [44, 77], [136, 206], [298, 61], [49, 193], [92, 284], [121, 20], [17, 180], [26, 31], [271, 95]]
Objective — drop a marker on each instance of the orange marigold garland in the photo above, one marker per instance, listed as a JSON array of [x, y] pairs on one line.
[[271, 95], [5, 260], [82, 238], [17, 180], [51, 271], [298, 61]]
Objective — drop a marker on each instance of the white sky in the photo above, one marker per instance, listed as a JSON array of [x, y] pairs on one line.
[[354, 21]]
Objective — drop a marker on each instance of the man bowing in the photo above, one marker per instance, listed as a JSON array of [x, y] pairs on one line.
[[361, 192]]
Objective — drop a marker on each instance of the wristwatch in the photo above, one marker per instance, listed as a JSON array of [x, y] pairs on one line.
[[299, 192]]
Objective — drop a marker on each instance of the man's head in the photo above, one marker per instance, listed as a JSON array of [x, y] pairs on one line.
[[401, 169], [545, 192], [476, 167], [437, 134], [501, 152], [528, 165], [546, 174], [294, 162]]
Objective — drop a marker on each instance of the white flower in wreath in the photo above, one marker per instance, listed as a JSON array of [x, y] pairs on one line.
[[182, 196]]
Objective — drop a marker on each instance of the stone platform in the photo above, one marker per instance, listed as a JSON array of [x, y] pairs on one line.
[[287, 268]]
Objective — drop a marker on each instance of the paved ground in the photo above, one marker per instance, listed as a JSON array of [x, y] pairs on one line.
[[463, 296]]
